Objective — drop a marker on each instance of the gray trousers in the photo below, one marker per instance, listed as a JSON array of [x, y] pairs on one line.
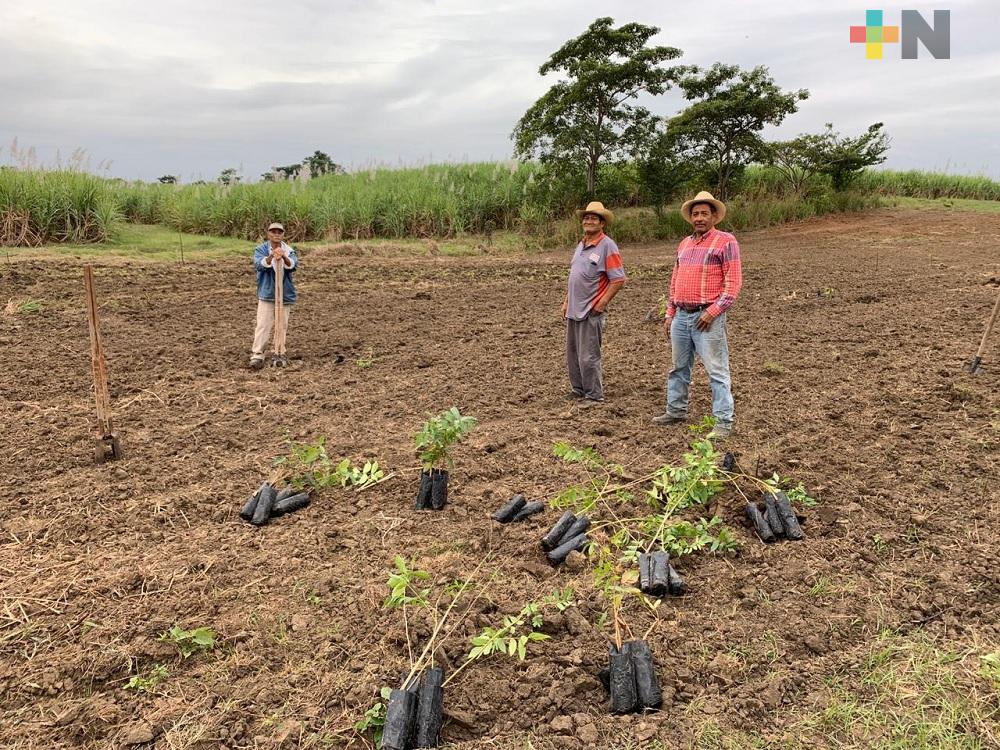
[[583, 355]]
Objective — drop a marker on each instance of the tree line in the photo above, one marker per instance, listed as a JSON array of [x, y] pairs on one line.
[[591, 117]]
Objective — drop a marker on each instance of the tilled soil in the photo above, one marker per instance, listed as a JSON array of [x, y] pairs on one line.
[[847, 346]]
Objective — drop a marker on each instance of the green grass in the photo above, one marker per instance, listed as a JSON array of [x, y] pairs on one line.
[[910, 692], [446, 209], [949, 204], [918, 184], [138, 242]]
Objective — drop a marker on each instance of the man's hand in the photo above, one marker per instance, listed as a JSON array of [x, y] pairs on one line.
[[666, 326], [565, 307], [705, 321], [600, 306]]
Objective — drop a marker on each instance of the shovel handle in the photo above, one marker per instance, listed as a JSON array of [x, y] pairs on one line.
[[989, 327], [279, 303]]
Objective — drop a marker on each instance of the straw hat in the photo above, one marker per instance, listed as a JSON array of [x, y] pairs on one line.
[[704, 197], [596, 207]]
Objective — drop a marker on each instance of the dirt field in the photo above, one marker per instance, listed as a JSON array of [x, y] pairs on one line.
[[847, 347]]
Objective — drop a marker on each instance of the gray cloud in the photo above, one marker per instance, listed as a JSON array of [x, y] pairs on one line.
[[192, 88]]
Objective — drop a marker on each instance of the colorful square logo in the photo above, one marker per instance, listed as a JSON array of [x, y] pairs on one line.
[[874, 34]]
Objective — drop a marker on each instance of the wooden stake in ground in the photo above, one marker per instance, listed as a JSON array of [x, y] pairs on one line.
[[974, 365], [107, 447]]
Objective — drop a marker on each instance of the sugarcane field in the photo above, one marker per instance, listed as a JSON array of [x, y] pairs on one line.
[[669, 429]]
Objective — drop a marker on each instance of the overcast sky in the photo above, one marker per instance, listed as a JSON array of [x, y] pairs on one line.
[[191, 88]]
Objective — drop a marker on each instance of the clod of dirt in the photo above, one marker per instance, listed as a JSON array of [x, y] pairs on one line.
[[140, 734], [575, 562], [562, 725]]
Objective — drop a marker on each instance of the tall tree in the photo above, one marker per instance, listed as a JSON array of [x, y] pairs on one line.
[[839, 157], [589, 117], [289, 172], [229, 176], [730, 108], [663, 172], [320, 164], [167, 179], [843, 158]]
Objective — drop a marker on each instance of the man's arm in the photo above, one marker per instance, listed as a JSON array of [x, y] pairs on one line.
[[732, 282], [609, 294], [732, 279], [261, 259], [672, 291]]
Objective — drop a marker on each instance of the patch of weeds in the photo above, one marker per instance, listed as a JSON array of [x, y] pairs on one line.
[[772, 368], [403, 588], [961, 393], [145, 684], [30, 306], [309, 465], [190, 642], [313, 598], [821, 588], [990, 669], [879, 545], [561, 599], [797, 494], [438, 434], [374, 718], [367, 360], [908, 693], [512, 637]]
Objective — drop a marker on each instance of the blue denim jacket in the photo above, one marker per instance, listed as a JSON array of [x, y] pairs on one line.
[[265, 275]]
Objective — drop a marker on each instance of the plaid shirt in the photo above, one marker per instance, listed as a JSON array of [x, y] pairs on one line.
[[707, 272]]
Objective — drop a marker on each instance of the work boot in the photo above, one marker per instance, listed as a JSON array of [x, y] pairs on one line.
[[588, 403], [668, 418], [256, 364], [573, 396], [720, 432], [279, 360]]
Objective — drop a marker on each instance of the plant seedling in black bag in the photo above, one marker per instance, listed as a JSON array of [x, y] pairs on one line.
[[654, 573], [246, 512], [400, 720], [772, 515], [622, 680], [759, 522], [507, 512], [430, 704], [788, 518], [528, 510], [574, 544], [434, 441], [262, 513], [631, 678], [289, 503], [551, 540]]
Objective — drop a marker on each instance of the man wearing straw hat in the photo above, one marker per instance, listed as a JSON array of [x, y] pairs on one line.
[[272, 253], [705, 282], [595, 276]]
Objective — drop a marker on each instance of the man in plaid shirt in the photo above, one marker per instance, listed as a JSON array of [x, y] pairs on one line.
[[706, 280]]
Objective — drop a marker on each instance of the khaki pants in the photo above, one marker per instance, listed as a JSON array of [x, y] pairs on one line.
[[265, 324]]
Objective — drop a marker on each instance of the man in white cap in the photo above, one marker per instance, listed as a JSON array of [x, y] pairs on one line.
[[272, 253], [705, 282], [595, 276]]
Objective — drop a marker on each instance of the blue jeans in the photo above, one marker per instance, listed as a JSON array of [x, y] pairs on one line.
[[713, 349]]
